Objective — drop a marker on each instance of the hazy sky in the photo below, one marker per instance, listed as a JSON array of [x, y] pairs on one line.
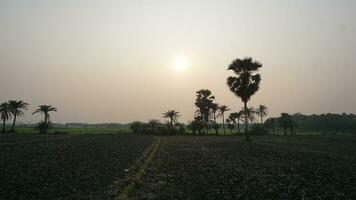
[[113, 61]]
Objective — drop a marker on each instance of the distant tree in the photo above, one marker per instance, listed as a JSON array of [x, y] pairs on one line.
[[236, 118], [196, 125], [222, 110], [230, 125], [204, 102], [154, 123], [284, 122], [250, 112], [5, 114], [292, 124], [45, 110], [16, 109], [245, 84], [215, 125], [262, 111], [271, 123], [172, 115]]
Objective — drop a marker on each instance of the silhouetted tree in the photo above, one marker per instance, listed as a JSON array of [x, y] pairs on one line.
[[214, 109], [236, 118], [45, 110], [271, 123], [5, 114], [204, 102], [245, 83], [230, 125], [284, 121], [262, 111], [154, 123], [16, 109], [222, 110], [172, 115], [250, 112], [196, 124]]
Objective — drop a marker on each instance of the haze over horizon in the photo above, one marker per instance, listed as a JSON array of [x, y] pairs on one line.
[[122, 61]]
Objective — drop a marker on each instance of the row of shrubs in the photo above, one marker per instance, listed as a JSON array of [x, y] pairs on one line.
[[180, 129]]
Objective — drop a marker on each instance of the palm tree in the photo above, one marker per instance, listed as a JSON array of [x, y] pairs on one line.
[[236, 118], [262, 111], [45, 109], [204, 102], [222, 110], [16, 109], [214, 109], [251, 112], [172, 115], [5, 114], [246, 82]]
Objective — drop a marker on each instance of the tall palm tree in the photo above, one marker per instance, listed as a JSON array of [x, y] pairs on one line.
[[222, 110], [245, 83], [5, 114], [214, 109], [236, 118], [172, 115], [45, 109], [204, 102], [16, 109], [262, 111]]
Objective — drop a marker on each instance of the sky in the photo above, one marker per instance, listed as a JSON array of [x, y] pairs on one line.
[[121, 61]]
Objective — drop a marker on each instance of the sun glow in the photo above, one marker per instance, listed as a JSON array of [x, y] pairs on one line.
[[181, 63]]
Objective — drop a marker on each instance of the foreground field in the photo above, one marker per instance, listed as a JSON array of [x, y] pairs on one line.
[[66, 166], [268, 168]]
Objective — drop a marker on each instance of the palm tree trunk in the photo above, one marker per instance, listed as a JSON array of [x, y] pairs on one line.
[[216, 129], [13, 124], [261, 119], [238, 127], [3, 125], [223, 122], [246, 123]]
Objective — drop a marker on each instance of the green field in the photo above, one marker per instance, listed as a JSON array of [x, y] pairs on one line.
[[77, 130]]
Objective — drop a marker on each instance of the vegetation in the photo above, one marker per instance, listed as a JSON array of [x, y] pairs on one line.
[[262, 111], [172, 115], [222, 110], [16, 109], [5, 114], [245, 83], [45, 110]]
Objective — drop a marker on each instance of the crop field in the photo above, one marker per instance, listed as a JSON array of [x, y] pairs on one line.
[[74, 166], [67, 166], [272, 167]]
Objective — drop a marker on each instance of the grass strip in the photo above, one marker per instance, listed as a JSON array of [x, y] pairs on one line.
[[141, 173]]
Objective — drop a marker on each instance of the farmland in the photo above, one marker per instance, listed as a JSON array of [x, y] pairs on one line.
[[99, 166], [305, 167], [66, 166]]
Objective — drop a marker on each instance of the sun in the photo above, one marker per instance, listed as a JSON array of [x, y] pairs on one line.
[[181, 63]]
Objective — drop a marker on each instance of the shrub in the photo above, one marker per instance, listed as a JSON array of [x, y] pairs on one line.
[[259, 129], [43, 126]]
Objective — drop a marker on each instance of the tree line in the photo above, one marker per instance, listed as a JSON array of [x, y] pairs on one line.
[[14, 109]]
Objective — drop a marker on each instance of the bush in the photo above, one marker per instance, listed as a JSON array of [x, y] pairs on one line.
[[159, 129], [259, 129], [43, 126]]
